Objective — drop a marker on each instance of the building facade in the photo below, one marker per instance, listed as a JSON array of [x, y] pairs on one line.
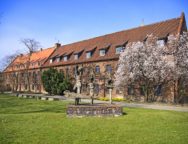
[[24, 73], [97, 56]]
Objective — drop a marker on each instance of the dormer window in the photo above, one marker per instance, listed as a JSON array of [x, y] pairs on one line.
[[51, 60], [119, 49], [161, 42], [88, 54], [102, 52], [58, 59], [76, 56], [65, 58]]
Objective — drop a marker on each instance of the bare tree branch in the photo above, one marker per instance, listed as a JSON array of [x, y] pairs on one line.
[[7, 60], [31, 44]]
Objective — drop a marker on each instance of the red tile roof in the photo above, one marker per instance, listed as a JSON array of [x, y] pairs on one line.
[[161, 30], [36, 60]]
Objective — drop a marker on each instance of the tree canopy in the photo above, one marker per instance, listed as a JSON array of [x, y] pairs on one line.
[[153, 63], [55, 82]]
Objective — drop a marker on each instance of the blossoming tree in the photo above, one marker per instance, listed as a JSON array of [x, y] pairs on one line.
[[179, 49], [152, 63]]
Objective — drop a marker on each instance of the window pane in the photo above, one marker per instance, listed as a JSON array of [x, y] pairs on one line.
[[108, 68], [76, 56], [58, 59], [130, 90], [160, 43], [119, 49], [97, 69], [102, 52], [142, 90], [88, 54], [158, 90], [65, 58]]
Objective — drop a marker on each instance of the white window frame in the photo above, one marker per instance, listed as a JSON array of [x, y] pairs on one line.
[[161, 42], [88, 54], [102, 52], [75, 56], [58, 59], [65, 58], [121, 49]]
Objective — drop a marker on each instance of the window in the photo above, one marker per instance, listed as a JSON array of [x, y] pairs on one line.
[[158, 90], [97, 69], [76, 56], [161, 43], [102, 52], [25, 86], [33, 86], [118, 91], [108, 68], [65, 58], [58, 59], [130, 90], [142, 90], [74, 70], [67, 71], [88, 55], [51, 60], [119, 49], [96, 88]]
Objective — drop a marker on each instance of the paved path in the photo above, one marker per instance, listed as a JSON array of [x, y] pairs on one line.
[[157, 106], [124, 104]]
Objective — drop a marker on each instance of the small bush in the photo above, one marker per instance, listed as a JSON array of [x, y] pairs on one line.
[[113, 99]]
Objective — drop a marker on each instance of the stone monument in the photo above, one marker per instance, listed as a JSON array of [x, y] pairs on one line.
[[78, 84], [91, 89], [100, 109], [110, 87]]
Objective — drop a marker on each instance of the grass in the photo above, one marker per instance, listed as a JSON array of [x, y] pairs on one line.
[[28, 121]]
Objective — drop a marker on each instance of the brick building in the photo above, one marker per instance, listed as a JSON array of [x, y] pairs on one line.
[[100, 55], [24, 73]]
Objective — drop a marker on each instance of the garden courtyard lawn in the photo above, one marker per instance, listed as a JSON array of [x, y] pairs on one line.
[[33, 121]]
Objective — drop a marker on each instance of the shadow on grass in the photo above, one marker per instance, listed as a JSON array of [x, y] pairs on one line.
[[45, 110], [124, 113], [13, 105]]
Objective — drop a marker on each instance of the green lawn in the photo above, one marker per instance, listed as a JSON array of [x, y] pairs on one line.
[[30, 121]]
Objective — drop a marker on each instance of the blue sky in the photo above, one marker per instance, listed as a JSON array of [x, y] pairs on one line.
[[66, 21]]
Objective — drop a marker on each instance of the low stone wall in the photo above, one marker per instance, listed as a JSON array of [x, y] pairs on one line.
[[94, 110]]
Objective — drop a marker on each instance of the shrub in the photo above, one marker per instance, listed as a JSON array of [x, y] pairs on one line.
[[113, 99], [55, 82]]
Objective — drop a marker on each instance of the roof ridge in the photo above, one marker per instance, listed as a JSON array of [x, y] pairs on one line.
[[43, 49], [25, 54], [123, 31]]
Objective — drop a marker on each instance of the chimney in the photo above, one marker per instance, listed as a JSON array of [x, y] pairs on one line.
[[57, 45], [41, 49]]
